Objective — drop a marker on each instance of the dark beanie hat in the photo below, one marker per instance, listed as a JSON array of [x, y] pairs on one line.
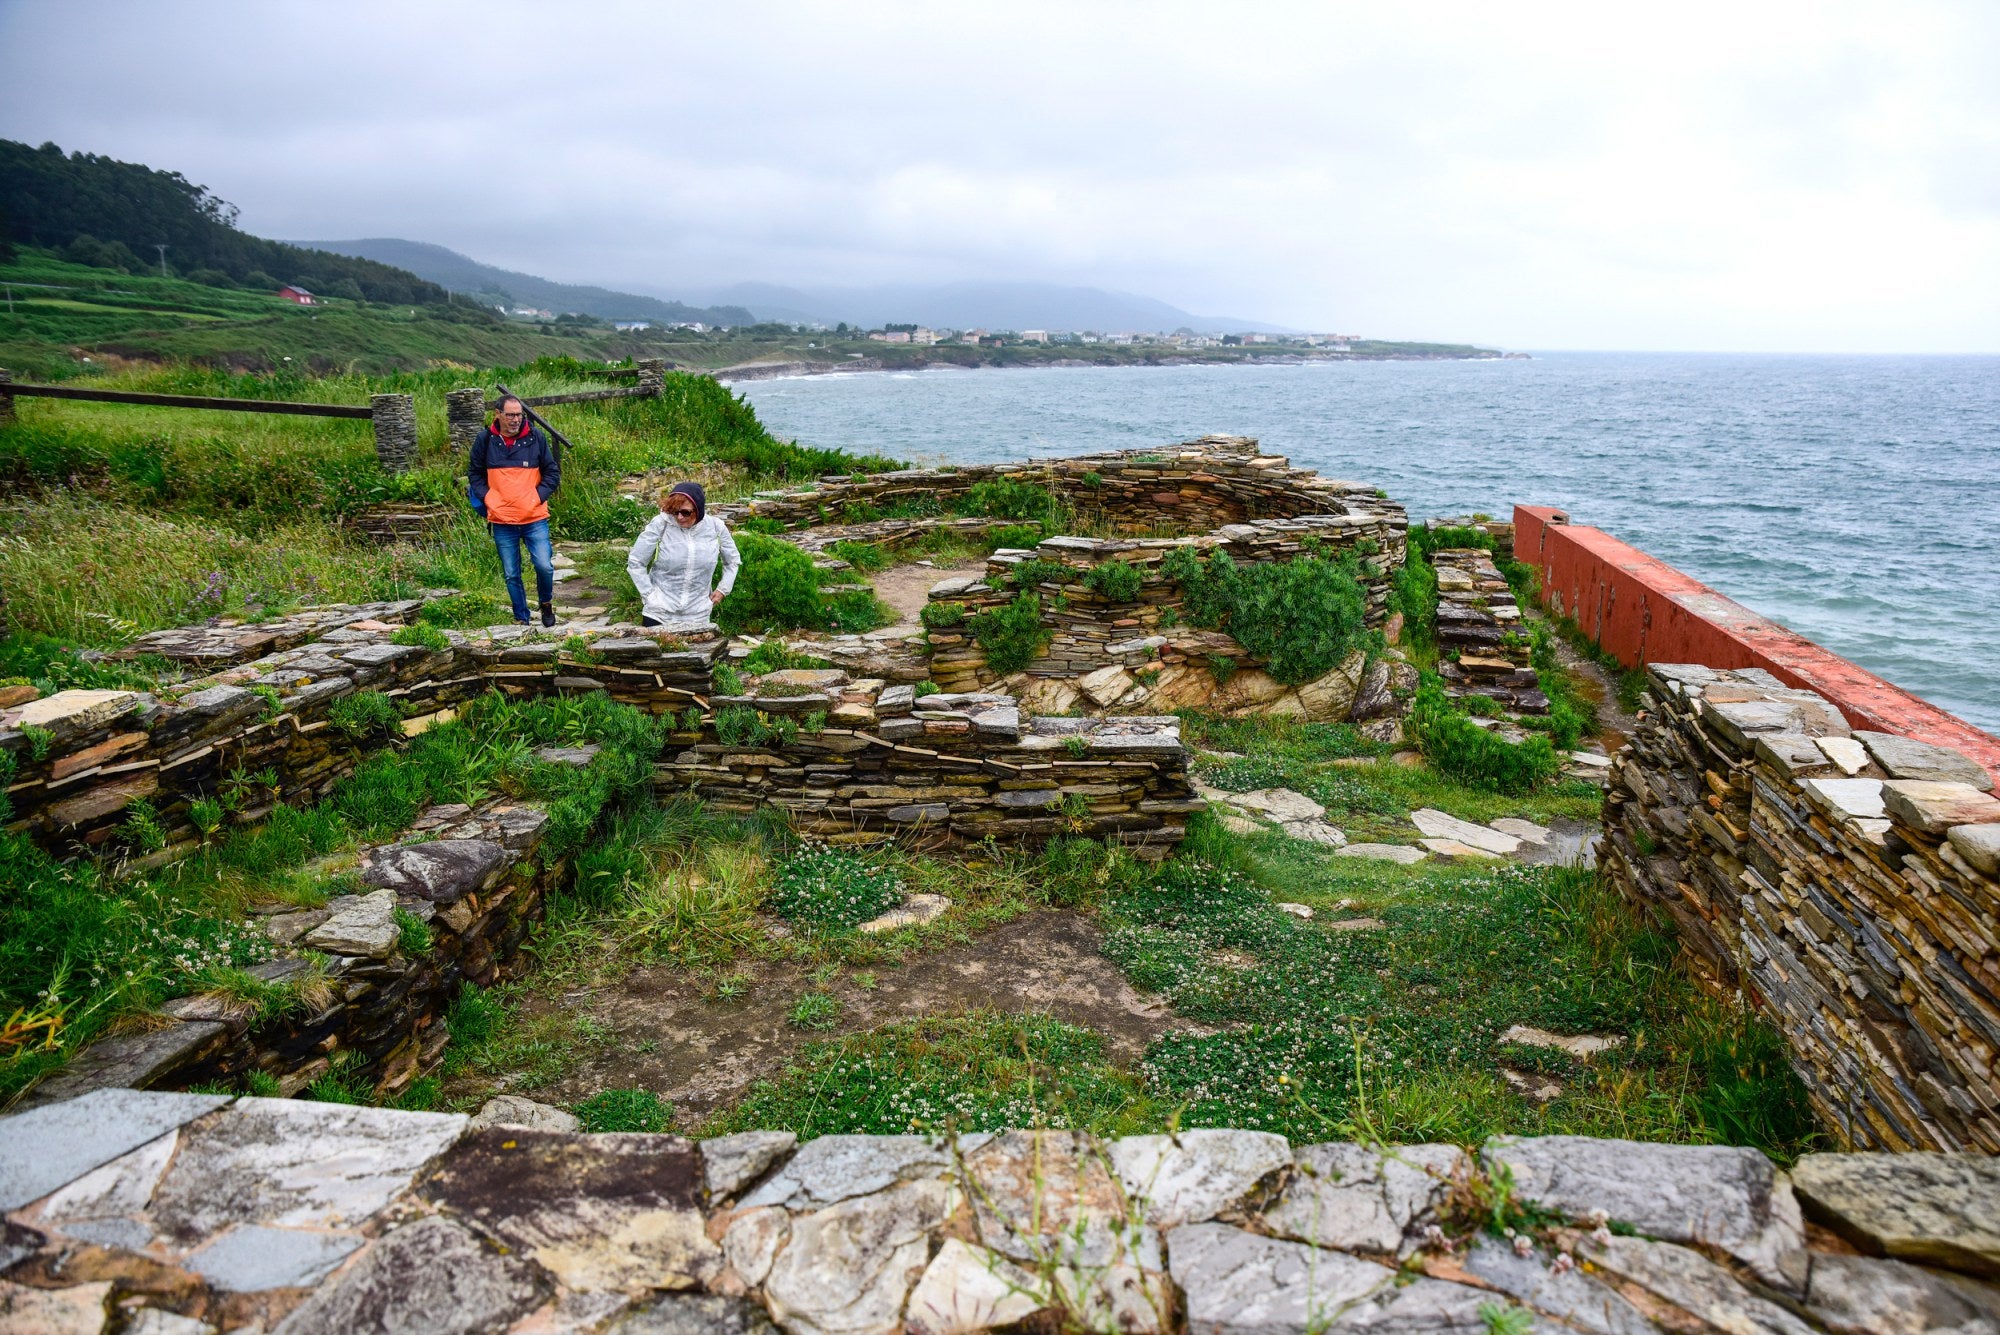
[[693, 491]]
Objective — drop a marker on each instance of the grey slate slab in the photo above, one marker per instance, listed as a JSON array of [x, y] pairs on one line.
[[47, 1147], [253, 1258]]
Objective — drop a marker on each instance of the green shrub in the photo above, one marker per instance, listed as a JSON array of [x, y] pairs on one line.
[[1222, 667], [758, 524], [1461, 750], [740, 725], [1013, 535], [773, 656], [1115, 581], [777, 588], [1449, 538], [856, 611], [925, 688], [624, 1110], [724, 679], [413, 934], [828, 890], [863, 556], [1034, 570], [942, 616], [1012, 635], [1093, 479], [1302, 617], [1007, 498], [364, 714], [421, 636]]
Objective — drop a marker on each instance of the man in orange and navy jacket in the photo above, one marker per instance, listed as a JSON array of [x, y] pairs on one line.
[[513, 474]]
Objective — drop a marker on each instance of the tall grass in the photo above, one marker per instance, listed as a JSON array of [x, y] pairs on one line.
[[117, 519]]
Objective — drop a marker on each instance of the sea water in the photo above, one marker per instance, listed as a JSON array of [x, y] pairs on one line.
[[1854, 499]]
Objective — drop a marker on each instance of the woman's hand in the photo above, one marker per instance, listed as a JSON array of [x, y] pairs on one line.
[[714, 597]]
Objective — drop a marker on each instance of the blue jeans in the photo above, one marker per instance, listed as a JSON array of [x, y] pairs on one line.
[[510, 538]]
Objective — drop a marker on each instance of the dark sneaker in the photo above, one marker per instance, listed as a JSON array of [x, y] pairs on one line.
[[548, 614]]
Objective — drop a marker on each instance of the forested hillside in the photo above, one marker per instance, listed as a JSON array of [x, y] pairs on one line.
[[112, 214]]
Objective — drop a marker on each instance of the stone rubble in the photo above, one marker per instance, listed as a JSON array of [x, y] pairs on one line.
[[192, 1212]]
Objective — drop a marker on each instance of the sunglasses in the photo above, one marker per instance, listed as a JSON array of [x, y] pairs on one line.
[[680, 511]]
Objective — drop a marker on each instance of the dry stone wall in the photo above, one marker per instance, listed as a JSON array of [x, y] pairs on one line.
[[1848, 882], [860, 761], [1103, 645], [81, 758], [365, 1007], [130, 1211], [1479, 621], [1202, 484]]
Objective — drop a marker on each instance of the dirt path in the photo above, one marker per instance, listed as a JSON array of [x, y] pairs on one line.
[[703, 1053], [908, 588]]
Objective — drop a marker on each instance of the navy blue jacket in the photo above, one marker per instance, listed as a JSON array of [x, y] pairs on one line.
[[500, 485]]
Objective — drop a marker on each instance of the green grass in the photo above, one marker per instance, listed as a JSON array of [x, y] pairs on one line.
[[982, 1071], [240, 515]]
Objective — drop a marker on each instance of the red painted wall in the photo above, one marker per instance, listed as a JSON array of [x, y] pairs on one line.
[[1645, 611]]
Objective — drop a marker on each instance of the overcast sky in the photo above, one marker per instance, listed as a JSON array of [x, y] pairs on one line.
[[1745, 175]]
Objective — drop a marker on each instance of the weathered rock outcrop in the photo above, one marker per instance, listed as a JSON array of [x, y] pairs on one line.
[[130, 1211]]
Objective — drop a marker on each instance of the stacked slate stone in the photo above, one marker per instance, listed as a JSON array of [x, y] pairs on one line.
[[1479, 620], [224, 641], [1089, 633], [372, 1010], [1203, 483], [1849, 882], [193, 1212], [82, 758], [400, 521], [859, 762]]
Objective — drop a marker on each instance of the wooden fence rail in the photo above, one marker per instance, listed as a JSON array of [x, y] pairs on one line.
[[394, 416], [186, 401]]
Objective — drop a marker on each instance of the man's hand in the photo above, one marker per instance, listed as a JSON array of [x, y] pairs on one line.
[[714, 597]]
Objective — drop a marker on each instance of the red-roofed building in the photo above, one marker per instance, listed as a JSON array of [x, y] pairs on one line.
[[298, 294]]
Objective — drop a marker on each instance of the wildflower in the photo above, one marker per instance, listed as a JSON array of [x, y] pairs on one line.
[[1524, 1246], [1564, 1263]]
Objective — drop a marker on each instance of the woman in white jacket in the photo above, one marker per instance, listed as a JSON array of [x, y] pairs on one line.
[[673, 562]]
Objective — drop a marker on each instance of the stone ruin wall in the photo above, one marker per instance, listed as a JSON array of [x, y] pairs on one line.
[[83, 757], [943, 770], [377, 1016], [179, 1214], [1204, 483], [1847, 881]]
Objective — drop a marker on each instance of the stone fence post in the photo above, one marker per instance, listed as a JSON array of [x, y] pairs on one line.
[[652, 376], [395, 418], [465, 413], [6, 398]]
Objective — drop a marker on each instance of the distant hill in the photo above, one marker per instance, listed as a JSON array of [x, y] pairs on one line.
[[110, 214], [468, 276], [977, 306]]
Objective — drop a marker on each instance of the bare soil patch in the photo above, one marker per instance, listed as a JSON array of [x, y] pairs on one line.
[[702, 1052], [907, 588]]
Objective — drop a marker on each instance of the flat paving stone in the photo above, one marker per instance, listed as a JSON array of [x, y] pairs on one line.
[[1401, 854], [295, 1164], [836, 1168], [1942, 1209], [1440, 825], [1197, 1174], [253, 1258], [431, 1277], [47, 1147], [1719, 1196]]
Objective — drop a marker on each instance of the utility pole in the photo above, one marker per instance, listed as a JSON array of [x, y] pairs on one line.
[[163, 258]]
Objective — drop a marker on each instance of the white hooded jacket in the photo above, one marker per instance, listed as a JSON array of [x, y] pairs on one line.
[[674, 568]]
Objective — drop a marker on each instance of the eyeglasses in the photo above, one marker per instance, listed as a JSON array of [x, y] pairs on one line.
[[681, 511]]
